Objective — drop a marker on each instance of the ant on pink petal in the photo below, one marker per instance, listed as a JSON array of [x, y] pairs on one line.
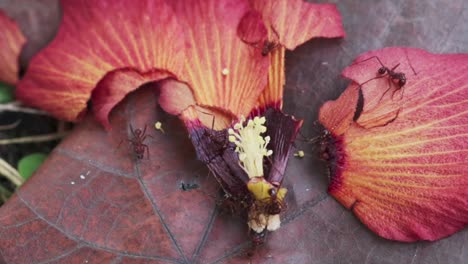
[[398, 78], [268, 45]]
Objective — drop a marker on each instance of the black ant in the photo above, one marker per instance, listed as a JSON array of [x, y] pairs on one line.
[[268, 45], [274, 205], [398, 78], [137, 142]]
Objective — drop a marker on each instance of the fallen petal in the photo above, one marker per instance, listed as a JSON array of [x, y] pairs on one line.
[[95, 38], [297, 21], [11, 42], [406, 180], [115, 86]]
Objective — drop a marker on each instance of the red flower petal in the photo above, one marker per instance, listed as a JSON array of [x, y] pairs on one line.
[[289, 23], [338, 115], [115, 86], [175, 96], [297, 21], [11, 42], [221, 69], [408, 179], [252, 29], [97, 37]]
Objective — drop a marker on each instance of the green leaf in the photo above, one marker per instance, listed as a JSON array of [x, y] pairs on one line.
[[29, 164], [6, 93]]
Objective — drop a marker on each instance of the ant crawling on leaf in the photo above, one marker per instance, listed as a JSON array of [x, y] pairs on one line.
[[268, 45], [138, 146], [398, 78]]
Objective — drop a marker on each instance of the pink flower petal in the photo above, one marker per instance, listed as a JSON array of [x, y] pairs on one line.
[[95, 38]]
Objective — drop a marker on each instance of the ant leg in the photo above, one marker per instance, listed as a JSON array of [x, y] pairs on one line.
[[212, 120], [133, 131], [394, 67], [267, 177], [378, 77], [388, 89], [373, 57], [144, 137], [147, 151], [396, 90], [144, 130], [253, 44], [276, 32], [409, 62]]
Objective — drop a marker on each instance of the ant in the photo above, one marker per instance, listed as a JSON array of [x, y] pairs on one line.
[[274, 205], [268, 45], [398, 78], [137, 142]]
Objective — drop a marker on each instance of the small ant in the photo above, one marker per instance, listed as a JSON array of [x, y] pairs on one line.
[[274, 204], [398, 78], [268, 45], [137, 142]]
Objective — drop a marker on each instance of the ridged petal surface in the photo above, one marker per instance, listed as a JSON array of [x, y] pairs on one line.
[[406, 178], [97, 37], [11, 42], [222, 70]]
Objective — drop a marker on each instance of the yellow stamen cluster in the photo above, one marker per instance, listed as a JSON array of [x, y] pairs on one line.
[[251, 145]]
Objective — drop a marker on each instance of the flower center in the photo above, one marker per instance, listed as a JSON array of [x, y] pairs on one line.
[[251, 145]]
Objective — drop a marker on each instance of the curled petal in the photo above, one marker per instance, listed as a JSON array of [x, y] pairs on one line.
[[282, 129], [175, 96], [297, 21], [115, 86], [252, 29], [221, 69], [11, 42], [289, 23], [97, 37], [338, 115], [407, 178]]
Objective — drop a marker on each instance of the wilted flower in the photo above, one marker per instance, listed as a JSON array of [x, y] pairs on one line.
[[214, 75]]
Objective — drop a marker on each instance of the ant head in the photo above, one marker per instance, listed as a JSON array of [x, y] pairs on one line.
[[272, 192], [383, 70], [402, 81]]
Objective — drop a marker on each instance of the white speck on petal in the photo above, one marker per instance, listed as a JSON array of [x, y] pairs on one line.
[[225, 72], [82, 177], [72, 183]]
